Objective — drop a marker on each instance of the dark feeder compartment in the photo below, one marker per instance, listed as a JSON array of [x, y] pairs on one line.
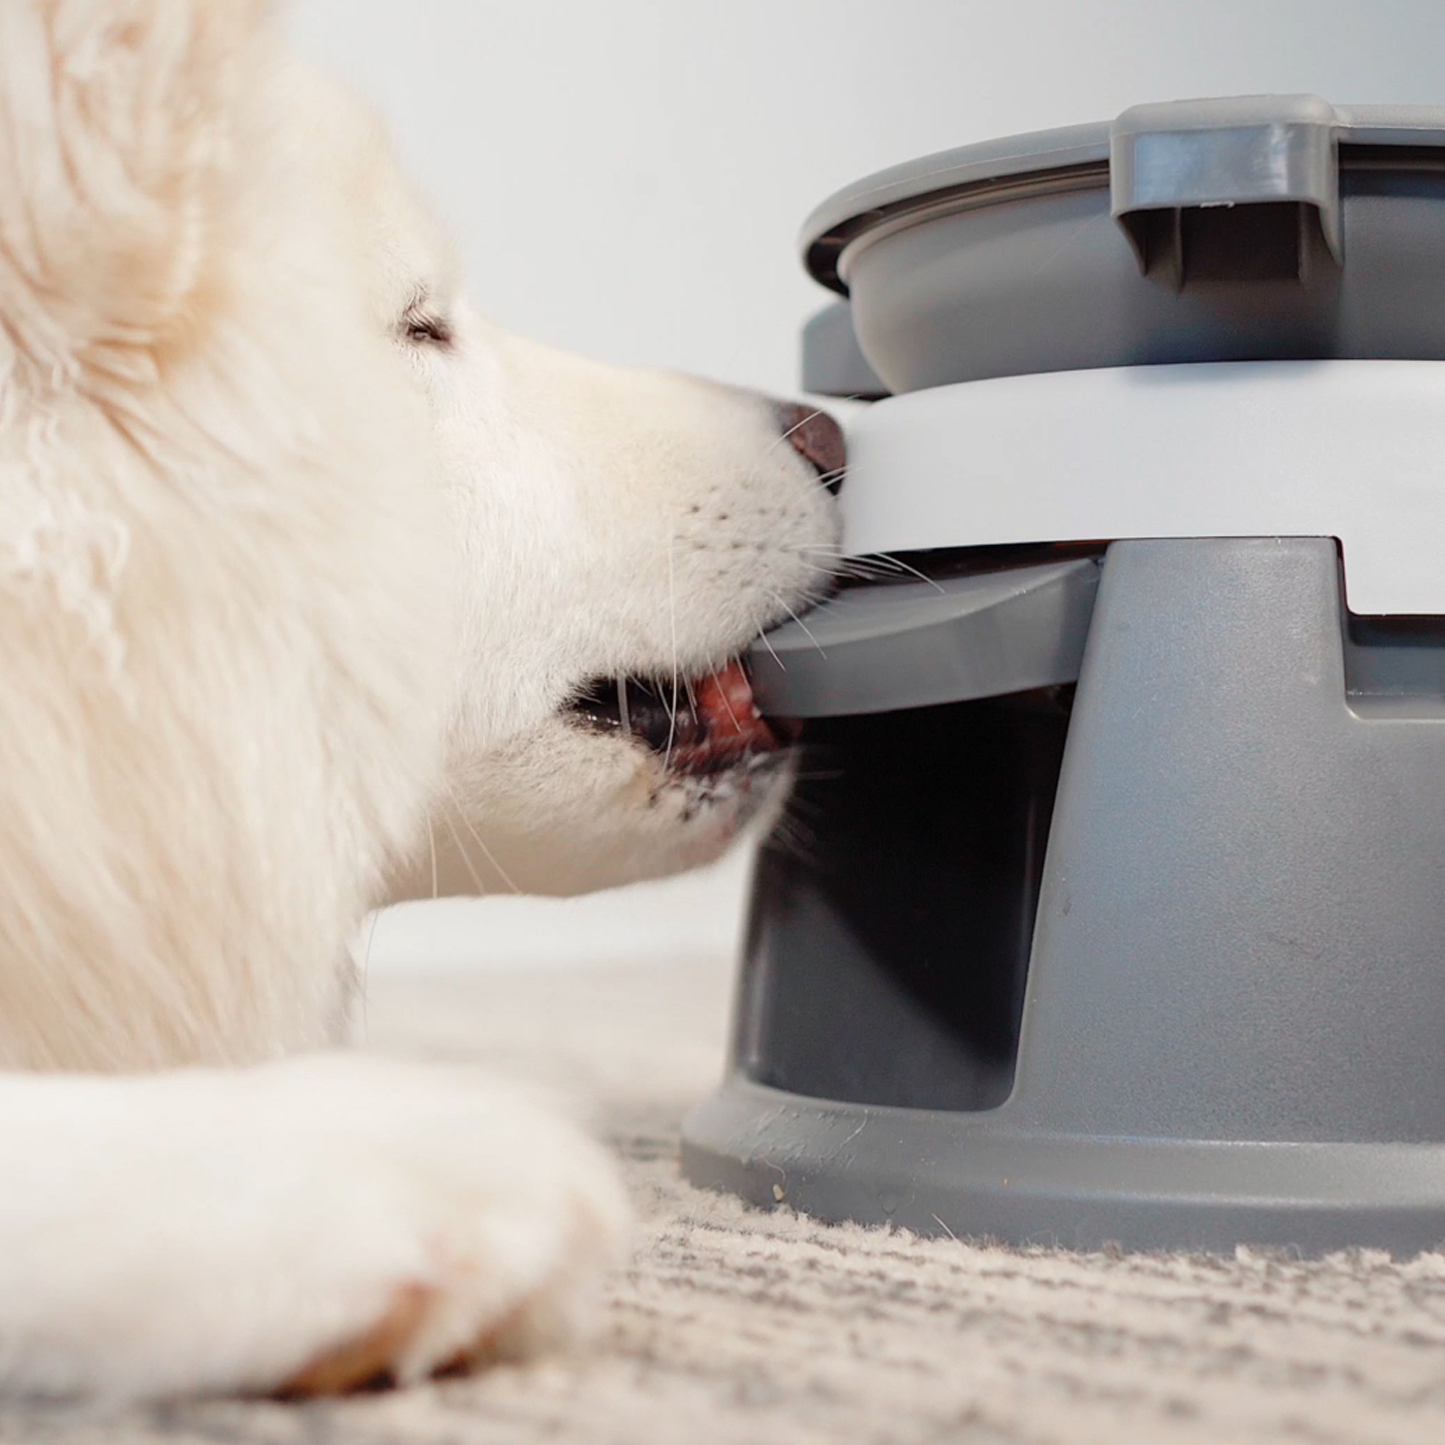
[[1111, 903], [911, 912]]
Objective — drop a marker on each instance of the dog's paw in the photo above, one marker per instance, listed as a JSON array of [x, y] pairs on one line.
[[509, 1220], [501, 1220], [304, 1228]]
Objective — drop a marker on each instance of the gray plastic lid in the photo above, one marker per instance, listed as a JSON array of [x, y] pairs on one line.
[[1079, 155]]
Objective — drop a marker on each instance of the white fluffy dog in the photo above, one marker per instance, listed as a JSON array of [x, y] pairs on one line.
[[309, 580]]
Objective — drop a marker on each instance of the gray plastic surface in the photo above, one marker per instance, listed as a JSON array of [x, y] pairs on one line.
[[912, 644], [1220, 156], [833, 363], [994, 169], [1014, 257], [1234, 1010]]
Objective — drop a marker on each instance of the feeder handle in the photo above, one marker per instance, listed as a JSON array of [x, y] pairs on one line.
[[1172, 164]]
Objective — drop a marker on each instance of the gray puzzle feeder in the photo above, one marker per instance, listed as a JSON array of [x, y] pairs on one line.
[[1111, 906]]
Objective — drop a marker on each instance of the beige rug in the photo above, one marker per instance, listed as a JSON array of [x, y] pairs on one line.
[[735, 1326]]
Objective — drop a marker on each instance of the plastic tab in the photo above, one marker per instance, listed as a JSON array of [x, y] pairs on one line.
[[1229, 190], [913, 644]]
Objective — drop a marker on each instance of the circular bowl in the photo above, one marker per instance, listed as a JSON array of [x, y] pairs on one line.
[[1004, 259]]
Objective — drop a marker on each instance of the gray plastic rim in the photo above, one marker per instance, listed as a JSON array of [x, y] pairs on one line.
[[927, 1171], [1038, 162]]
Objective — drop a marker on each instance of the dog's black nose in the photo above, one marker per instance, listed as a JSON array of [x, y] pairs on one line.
[[818, 439]]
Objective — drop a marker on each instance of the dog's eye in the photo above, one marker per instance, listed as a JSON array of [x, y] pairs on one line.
[[425, 328]]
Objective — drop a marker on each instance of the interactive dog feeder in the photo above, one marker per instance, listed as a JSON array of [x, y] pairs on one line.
[[1160, 960]]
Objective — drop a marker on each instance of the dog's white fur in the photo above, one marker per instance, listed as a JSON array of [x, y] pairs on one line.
[[292, 588]]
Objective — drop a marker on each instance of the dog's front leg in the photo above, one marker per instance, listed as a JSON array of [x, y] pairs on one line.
[[302, 1227]]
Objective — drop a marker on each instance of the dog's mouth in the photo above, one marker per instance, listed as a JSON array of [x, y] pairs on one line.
[[697, 725]]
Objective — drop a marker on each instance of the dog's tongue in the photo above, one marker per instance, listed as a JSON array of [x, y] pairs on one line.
[[728, 716]]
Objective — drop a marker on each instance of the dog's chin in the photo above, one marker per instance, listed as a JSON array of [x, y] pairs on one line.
[[620, 785]]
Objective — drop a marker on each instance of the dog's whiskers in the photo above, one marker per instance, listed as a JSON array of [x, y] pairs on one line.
[[903, 566], [845, 568], [477, 838], [729, 707], [876, 564], [806, 632], [671, 706], [624, 712], [477, 883], [763, 638]]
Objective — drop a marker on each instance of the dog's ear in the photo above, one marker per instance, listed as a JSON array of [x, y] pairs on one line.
[[115, 120]]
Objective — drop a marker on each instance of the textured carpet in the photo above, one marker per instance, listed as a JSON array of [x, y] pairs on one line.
[[736, 1326]]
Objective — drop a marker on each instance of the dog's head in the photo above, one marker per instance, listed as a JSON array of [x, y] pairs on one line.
[[297, 549], [625, 535]]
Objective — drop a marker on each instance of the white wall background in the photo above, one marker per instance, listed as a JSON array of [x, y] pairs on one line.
[[627, 178]]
